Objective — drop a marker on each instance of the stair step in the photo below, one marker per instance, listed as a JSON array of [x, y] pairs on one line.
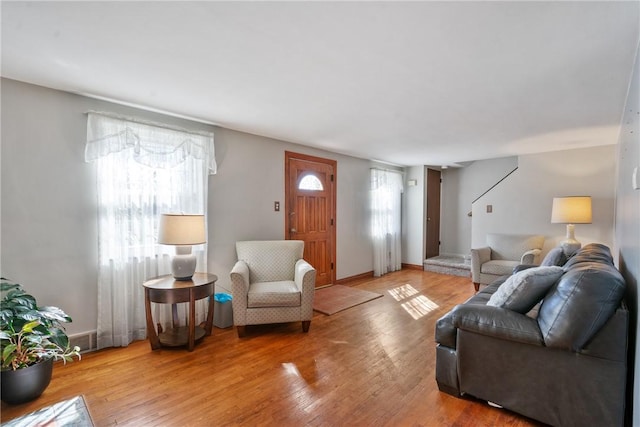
[[447, 264]]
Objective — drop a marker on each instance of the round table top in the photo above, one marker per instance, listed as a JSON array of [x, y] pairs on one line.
[[168, 282]]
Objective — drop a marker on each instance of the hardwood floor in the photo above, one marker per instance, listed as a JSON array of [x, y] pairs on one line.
[[371, 365]]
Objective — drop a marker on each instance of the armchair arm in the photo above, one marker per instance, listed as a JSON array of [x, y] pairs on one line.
[[240, 290], [478, 257], [240, 276], [497, 322], [530, 256], [305, 280], [305, 276]]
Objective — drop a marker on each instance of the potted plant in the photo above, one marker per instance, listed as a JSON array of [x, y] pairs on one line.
[[31, 338]]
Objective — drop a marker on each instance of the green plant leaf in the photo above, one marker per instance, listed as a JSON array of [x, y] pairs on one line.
[[28, 314], [59, 338], [28, 327], [55, 313], [8, 286]]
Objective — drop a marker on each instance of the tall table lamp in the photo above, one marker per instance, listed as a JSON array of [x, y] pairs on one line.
[[182, 231], [571, 210]]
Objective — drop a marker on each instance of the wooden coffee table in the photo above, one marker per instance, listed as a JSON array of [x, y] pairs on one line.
[[167, 290]]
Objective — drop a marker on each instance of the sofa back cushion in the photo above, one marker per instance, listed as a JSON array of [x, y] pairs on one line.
[[593, 252], [555, 256], [585, 297], [270, 260], [512, 246]]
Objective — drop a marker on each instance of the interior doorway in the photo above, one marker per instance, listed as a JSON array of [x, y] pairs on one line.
[[432, 187], [310, 211]]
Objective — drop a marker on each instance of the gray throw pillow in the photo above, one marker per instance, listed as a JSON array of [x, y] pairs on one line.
[[523, 290], [556, 256]]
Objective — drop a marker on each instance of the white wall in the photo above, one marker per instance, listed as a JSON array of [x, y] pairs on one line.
[[627, 236], [460, 187], [251, 177], [522, 202], [48, 212], [413, 211]]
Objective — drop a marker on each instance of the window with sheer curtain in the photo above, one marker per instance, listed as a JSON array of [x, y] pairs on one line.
[[386, 220], [143, 170]]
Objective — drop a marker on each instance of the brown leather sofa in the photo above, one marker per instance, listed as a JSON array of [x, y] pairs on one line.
[[562, 363]]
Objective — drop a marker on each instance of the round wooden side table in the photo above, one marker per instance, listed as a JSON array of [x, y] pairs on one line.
[[167, 290]]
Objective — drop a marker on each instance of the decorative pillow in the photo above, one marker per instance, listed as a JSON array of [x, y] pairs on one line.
[[556, 256], [523, 290]]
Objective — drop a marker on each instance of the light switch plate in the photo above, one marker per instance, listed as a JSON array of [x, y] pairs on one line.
[[276, 206], [635, 179]]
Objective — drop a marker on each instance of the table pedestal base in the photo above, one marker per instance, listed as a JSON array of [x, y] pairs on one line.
[[176, 337]]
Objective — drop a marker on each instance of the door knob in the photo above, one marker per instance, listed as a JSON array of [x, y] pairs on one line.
[[293, 230]]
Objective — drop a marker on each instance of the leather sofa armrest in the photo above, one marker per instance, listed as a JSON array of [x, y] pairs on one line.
[[498, 323], [446, 333], [530, 256]]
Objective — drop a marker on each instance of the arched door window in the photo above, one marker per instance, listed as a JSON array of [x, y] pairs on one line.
[[310, 182]]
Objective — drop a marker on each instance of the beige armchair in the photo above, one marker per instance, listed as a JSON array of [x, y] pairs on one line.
[[502, 253], [271, 283]]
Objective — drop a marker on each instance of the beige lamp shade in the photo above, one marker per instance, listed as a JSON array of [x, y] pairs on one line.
[[571, 210], [177, 229]]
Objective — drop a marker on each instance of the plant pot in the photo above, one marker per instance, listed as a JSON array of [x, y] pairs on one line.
[[26, 384]]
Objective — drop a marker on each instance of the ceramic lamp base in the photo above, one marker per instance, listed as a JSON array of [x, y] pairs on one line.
[[570, 245], [183, 265]]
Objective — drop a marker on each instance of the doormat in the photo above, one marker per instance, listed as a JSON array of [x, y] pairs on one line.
[[333, 299]]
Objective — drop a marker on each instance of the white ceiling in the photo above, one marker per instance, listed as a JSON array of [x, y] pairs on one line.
[[408, 83]]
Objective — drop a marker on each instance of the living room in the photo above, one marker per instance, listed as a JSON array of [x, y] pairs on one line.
[[49, 219]]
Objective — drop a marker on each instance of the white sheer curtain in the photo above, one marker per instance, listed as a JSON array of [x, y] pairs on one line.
[[143, 170], [386, 220]]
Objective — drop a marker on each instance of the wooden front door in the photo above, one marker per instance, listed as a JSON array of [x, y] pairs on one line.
[[310, 211], [433, 213]]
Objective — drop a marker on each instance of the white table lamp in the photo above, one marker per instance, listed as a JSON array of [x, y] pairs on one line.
[[571, 210], [182, 231]]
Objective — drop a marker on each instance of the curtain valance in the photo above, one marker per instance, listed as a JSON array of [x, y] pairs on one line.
[[153, 145], [390, 180]]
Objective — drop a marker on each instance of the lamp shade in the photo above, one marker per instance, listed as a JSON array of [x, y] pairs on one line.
[[571, 210], [177, 229]]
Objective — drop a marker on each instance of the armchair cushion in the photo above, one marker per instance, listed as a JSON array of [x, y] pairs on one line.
[[273, 294], [523, 290], [498, 267]]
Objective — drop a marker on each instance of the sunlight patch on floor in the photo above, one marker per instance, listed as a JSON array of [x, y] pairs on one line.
[[291, 369], [419, 306], [402, 292], [416, 306]]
